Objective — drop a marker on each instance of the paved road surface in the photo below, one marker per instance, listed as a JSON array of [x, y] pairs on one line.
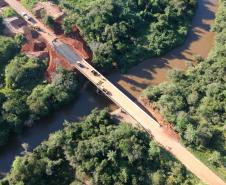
[[149, 124]]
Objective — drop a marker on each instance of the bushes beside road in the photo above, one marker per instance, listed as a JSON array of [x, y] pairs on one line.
[[29, 4], [8, 12], [9, 48]]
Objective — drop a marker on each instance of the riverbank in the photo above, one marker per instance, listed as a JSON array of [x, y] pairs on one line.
[[199, 41], [150, 72], [194, 104]]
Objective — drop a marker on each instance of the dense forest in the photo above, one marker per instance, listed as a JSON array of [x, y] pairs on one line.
[[123, 32], [100, 152], [119, 32], [195, 101], [25, 96]]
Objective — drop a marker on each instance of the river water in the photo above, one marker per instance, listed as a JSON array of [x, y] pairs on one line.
[[151, 72]]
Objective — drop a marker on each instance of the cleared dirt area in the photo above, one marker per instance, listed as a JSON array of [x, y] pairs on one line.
[[78, 45], [36, 46]]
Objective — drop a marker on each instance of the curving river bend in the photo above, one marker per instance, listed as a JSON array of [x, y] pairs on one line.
[[200, 40]]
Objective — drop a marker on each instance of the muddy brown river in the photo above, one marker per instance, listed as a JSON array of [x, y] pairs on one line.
[[151, 72]]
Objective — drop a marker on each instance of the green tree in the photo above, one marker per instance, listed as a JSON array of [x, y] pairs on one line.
[[194, 101], [23, 72], [1, 24], [49, 21], [121, 32], [8, 50], [158, 178], [215, 158], [204, 135], [15, 110], [92, 151], [8, 12], [190, 134]]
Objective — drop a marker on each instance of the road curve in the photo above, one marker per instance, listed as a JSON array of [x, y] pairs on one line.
[[149, 124]]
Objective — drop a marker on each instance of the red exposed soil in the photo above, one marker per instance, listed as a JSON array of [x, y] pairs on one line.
[[86, 180], [168, 127], [77, 42], [54, 61], [33, 43], [39, 46], [37, 43]]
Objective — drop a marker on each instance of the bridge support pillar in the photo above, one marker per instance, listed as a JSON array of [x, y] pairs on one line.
[[98, 91]]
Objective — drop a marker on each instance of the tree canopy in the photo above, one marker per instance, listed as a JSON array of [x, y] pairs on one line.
[[125, 32], [8, 49], [23, 72], [1, 24], [98, 151], [195, 101], [26, 97], [122, 33]]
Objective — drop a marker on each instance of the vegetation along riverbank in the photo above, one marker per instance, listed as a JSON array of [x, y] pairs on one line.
[[194, 102]]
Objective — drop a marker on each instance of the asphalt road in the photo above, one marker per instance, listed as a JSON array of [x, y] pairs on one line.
[[148, 123]]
